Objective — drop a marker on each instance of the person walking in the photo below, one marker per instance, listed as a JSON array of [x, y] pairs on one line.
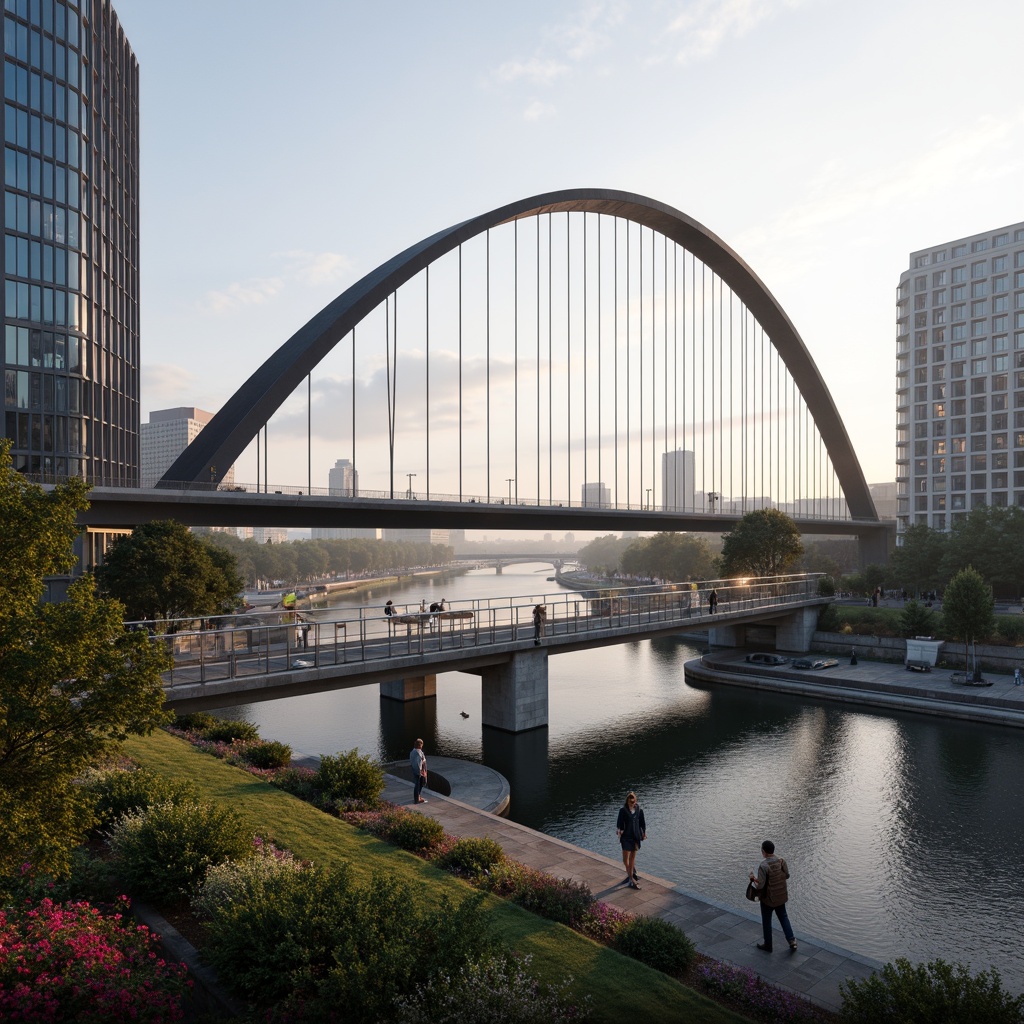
[[770, 882], [540, 616], [631, 828], [418, 763], [713, 601]]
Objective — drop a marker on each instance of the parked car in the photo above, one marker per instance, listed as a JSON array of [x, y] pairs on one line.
[[815, 663], [763, 658]]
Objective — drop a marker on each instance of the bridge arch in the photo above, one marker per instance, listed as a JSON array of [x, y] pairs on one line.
[[243, 415]]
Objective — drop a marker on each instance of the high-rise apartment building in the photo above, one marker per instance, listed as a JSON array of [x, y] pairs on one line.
[[167, 434], [677, 481], [960, 378], [343, 479], [71, 241]]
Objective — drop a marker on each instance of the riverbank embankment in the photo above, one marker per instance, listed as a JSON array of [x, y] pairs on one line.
[[871, 683]]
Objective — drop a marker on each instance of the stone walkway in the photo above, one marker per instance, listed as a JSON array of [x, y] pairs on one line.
[[814, 971]]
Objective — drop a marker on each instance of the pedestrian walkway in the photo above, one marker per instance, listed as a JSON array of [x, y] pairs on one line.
[[874, 683], [814, 971]]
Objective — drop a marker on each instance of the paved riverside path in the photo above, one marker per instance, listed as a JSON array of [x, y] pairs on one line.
[[814, 971]]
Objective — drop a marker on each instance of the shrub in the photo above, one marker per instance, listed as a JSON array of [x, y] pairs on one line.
[[828, 619], [195, 722], [90, 879], [404, 828], [657, 943], [264, 754], [826, 587], [298, 781], [603, 922], [495, 988], [932, 993], [472, 856], [235, 881], [557, 899], [1010, 630], [917, 620], [71, 963], [118, 791], [319, 942], [227, 732], [755, 996], [349, 776], [163, 853]]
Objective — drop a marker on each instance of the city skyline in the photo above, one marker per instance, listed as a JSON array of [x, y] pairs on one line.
[[825, 214]]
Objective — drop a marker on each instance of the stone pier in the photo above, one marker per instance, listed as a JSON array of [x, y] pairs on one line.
[[515, 695], [410, 688]]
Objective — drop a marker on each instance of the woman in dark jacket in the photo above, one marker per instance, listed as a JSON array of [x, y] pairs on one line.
[[632, 829]]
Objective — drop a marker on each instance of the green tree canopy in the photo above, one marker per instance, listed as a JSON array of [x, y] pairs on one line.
[[917, 563], [73, 682], [967, 607], [163, 571], [670, 556], [765, 542], [603, 555], [991, 540]]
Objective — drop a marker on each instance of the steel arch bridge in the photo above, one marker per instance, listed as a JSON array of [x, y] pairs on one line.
[[553, 351]]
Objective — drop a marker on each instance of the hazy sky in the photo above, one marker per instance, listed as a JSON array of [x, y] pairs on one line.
[[288, 149]]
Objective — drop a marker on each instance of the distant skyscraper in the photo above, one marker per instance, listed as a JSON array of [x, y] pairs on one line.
[[418, 536], [597, 495], [167, 434], [677, 486], [343, 479], [959, 380], [71, 271]]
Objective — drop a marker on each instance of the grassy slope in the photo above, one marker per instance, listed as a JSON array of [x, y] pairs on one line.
[[620, 988]]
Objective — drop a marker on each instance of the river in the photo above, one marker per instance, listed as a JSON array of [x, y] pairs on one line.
[[904, 833]]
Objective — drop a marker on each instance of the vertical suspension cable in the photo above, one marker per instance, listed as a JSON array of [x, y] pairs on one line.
[[551, 394], [460, 372], [586, 311], [629, 324], [536, 221], [615, 351], [568, 358], [487, 292], [258, 467], [426, 332], [515, 354], [600, 381], [354, 463], [309, 432]]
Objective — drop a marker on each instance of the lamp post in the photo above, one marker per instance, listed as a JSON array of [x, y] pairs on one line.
[[648, 498], [510, 480], [712, 498], [410, 476]]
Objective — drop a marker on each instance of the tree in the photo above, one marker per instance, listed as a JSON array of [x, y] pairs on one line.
[[967, 608], [603, 554], [73, 681], [764, 542], [669, 556], [163, 571], [915, 564], [991, 539]]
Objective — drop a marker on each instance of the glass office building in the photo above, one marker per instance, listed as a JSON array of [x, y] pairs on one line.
[[71, 242], [960, 379]]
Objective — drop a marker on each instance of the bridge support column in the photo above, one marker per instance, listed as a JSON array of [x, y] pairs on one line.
[[411, 688], [794, 632], [727, 636], [515, 695]]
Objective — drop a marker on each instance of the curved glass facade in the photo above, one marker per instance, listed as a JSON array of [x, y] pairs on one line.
[[71, 241]]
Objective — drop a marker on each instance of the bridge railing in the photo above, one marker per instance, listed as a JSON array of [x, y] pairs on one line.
[[235, 647]]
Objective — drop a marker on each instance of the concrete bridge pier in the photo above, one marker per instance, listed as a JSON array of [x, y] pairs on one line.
[[793, 631], [515, 695], [410, 688]]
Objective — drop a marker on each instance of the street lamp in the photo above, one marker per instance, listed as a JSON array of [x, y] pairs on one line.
[[648, 498], [712, 498], [410, 476], [510, 480]]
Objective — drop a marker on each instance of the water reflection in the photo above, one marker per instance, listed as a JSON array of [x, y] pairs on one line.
[[904, 833]]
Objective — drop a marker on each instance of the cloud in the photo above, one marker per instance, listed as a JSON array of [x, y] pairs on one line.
[[296, 268], [535, 70], [708, 24], [538, 110]]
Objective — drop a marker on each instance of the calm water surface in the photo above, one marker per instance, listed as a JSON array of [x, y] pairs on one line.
[[904, 833]]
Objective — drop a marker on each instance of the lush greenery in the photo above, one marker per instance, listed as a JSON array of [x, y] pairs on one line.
[[309, 560], [161, 570], [616, 985], [119, 790], [70, 962], [349, 776], [163, 852], [669, 556], [864, 620], [73, 682], [932, 993], [967, 605], [764, 1002], [765, 542], [657, 943]]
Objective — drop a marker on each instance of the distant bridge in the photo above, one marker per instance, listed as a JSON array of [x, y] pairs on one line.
[[493, 638]]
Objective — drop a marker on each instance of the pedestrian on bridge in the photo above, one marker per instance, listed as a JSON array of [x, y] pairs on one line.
[[418, 763], [713, 601], [631, 829], [540, 617]]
